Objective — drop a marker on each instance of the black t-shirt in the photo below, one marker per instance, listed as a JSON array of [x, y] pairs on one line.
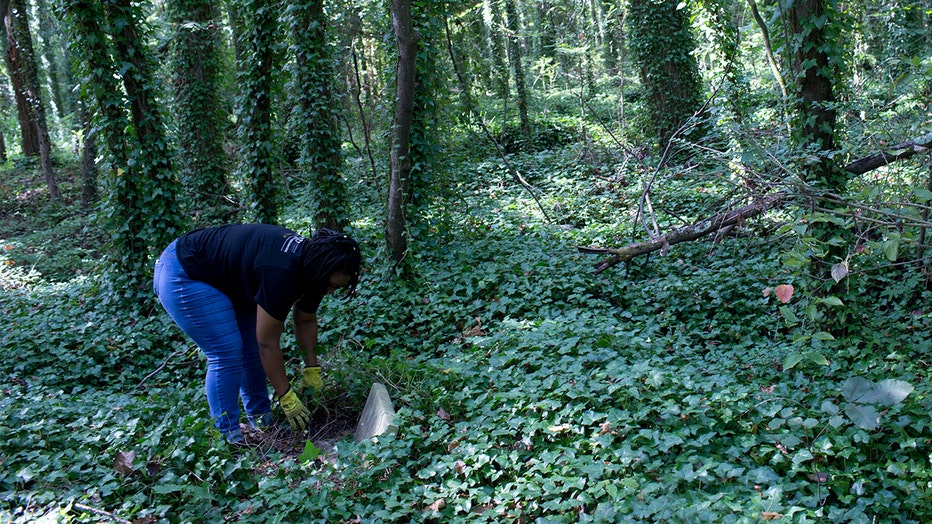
[[252, 264]]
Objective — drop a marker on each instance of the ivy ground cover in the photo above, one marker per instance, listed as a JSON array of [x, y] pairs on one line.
[[528, 389]]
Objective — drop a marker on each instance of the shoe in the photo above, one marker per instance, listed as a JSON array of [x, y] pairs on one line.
[[234, 436], [261, 421]]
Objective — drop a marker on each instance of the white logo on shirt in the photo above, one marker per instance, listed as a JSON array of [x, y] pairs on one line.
[[292, 244]]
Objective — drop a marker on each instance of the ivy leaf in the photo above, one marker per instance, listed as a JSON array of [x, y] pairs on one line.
[[311, 452]]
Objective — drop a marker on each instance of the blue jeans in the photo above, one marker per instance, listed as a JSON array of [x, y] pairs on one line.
[[227, 336]]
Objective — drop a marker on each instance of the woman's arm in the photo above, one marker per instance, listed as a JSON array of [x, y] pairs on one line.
[[268, 335], [305, 332]]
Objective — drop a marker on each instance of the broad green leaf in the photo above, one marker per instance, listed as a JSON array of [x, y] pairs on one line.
[[817, 358], [788, 316], [887, 393], [863, 416], [831, 301], [791, 360], [822, 335], [922, 194], [855, 388], [891, 249]]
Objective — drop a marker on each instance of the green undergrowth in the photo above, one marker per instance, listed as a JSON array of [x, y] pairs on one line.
[[529, 388]]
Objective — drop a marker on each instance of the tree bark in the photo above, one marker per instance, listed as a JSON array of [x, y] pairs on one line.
[[815, 99], [197, 68], [29, 133], [400, 157], [515, 56], [19, 42], [321, 156]]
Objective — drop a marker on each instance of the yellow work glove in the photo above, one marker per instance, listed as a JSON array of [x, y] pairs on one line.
[[312, 379], [298, 415]]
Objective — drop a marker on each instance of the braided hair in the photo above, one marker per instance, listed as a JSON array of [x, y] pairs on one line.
[[328, 252]]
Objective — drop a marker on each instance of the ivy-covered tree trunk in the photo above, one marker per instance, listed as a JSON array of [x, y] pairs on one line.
[[515, 55], [89, 171], [662, 43], [198, 70], [400, 159], [140, 207], [321, 157], [496, 56], [811, 23], [816, 31], [22, 57], [255, 76], [156, 212]]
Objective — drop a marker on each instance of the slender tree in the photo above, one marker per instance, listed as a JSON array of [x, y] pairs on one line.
[[29, 132], [24, 65], [494, 48], [314, 70], [255, 75], [816, 64], [140, 209], [515, 56], [197, 79], [60, 82], [400, 159]]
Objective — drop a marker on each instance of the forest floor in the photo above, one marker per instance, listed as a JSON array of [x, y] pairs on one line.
[[528, 386]]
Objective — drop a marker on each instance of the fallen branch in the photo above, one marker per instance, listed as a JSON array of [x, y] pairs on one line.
[[100, 512], [688, 233], [729, 219], [897, 152]]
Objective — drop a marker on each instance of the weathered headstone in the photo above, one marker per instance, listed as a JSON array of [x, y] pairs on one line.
[[378, 416]]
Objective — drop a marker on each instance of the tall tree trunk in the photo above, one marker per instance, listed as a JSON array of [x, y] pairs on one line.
[[2, 148], [198, 68], [515, 55], [495, 47], [20, 43], [321, 156], [663, 45], [400, 159], [255, 78], [155, 213], [89, 171], [54, 52], [815, 113], [29, 133]]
